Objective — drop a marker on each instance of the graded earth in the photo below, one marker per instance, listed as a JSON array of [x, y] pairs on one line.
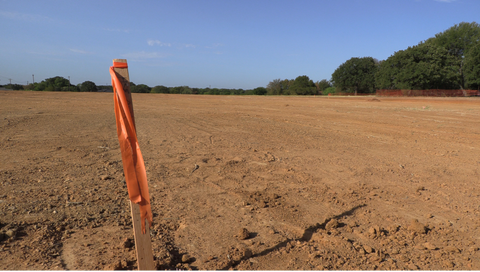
[[243, 182]]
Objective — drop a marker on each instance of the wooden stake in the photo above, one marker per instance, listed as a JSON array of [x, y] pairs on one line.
[[143, 244]]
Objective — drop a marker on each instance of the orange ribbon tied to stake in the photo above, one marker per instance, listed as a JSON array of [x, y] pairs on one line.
[[133, 164]]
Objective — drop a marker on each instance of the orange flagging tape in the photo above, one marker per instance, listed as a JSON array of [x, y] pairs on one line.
[[120, 65], [133, 164]]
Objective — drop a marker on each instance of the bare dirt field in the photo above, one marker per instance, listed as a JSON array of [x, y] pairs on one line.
[[243, 182]]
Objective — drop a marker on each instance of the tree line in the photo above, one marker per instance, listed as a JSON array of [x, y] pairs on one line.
[[57, 84], [450, 60], [60, 84]]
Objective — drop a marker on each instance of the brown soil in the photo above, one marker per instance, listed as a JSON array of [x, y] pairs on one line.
[[249, 183]]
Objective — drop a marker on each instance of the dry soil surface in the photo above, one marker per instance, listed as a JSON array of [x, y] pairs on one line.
[[248, 183]]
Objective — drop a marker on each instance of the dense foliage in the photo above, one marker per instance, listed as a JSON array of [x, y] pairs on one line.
[[419, 67], [322, 85], [15, 87], [458, 41], [356, 75], [55, 84], [446, 61], [88, 86], [472, 67], [302, 85]]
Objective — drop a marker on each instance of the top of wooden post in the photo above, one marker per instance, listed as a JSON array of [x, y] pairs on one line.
[[124, 78], [123, 72]]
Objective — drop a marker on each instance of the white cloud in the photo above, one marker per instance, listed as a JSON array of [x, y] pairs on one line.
[[157, 42], [117, 30], [142, 55], [214, 45], [25, 16], [190, 45]]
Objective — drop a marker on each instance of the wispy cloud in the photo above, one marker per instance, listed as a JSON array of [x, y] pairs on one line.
[[117, 30], [142, 55], [25, 17], [214, 45], [157, 42], [80, 51], [189, 45]]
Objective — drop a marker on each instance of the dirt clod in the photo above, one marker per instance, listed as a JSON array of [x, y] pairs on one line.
[[429, 246], [451, 249], [448, 264], [417, 227], [105, 177], [368, 249], [243, 234], [332, 224], [10, 233], [186, 258]]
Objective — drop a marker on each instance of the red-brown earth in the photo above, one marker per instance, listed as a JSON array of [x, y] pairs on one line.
[[243, 182]]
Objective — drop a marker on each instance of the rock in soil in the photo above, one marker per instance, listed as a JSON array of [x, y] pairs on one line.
[[332, 224], [417, 227], [186, 258], [243, 234]]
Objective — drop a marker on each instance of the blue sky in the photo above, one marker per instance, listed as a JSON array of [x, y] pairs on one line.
[[222, 44]]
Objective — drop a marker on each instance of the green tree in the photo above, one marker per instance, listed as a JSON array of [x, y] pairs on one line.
[[420, 67], [328, 90], [260, 91], [257, 91], [160, 89], [186, 90], [40, 86], [54, 84], [60, 82], [274, 87], [458, 40], [176, 90], [356, 75], [322, 85], [15, 87], [140, 88], [286, 84], [30, 87], [88, 86], [302, 85], [472, 67], [105, 87]]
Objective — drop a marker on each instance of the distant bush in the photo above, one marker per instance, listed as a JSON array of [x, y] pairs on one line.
[[160, 89], [140, 88], [328, 90], [88, 86], [15, 87], [256, 91]]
